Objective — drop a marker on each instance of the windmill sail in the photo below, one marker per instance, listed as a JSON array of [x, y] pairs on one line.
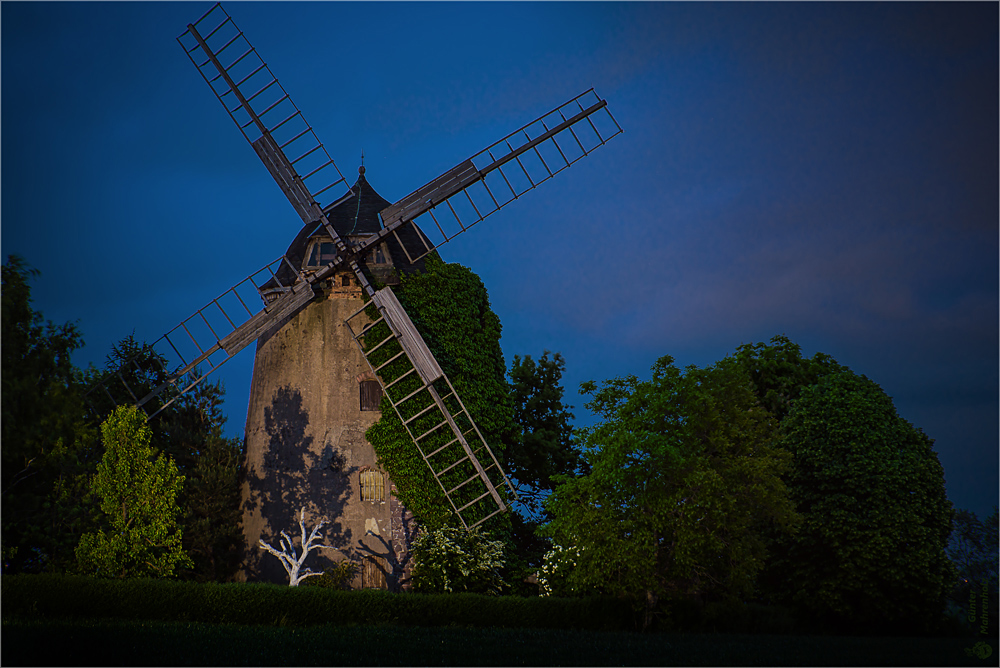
[[264, 113], [204, 341], [446, 436], [500, 173]]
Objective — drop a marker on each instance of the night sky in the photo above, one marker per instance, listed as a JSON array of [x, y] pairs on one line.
[[824, 171]]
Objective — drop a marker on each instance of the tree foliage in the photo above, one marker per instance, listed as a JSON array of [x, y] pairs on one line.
[[973, 550], [871, 549], [47, 446], [544, 446], [40, 402], [138, 487], [684, 476], [778, 372], [51, 443], [972, 546], [190, 432]]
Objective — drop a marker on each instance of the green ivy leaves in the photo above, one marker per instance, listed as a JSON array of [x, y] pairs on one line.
[[450, 307]]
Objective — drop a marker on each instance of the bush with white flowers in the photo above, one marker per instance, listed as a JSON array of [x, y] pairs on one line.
[[553, 576], [450, 560]]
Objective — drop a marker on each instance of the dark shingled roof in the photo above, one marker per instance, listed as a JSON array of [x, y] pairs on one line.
[[357, 216]]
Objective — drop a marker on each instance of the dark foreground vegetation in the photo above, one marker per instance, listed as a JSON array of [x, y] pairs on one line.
[[767, 509], [75, 620], [80, 597], [113, 642]]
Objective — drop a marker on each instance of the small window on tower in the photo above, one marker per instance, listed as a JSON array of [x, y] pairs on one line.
[[372, 486], [371, 395], [345, 280]]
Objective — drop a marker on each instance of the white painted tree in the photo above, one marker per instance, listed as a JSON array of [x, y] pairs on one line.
[[288, 556]]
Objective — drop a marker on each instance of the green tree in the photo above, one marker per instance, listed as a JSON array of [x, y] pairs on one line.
[[871, 548], [684, 477], [544, 446], [778, 372], [44, 440], [132, 369], [973, 551], [972, 547], [542, 449], [451, 560], [51, 443], [138, 488], [190, 432]]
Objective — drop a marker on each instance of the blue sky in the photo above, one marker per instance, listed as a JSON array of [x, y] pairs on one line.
[[825, 171]]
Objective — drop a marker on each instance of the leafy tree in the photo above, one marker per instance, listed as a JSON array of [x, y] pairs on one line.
[[684, 476], [544, 447], [211, 517], [190, 432], [51, 443], [138, 488], [68, 510], [46, 444], [778, 372], [973, 550], [450, 559], [132, 369], [875, 516]]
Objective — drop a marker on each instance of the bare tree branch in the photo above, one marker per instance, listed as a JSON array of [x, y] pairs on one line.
[[290, 559]]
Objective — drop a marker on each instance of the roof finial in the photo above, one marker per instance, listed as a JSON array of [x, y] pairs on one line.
[[361, 169]]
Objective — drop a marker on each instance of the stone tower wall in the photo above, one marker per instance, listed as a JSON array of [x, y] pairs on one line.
[[305, 445]]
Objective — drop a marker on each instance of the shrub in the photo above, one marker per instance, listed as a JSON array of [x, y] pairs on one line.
[[450, 560], [553, 576], [68, 596], [338, 577]]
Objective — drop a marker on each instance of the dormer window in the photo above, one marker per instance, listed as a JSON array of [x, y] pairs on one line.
[[321, 253]]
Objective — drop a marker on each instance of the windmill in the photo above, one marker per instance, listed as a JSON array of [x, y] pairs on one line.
[[310, 390]]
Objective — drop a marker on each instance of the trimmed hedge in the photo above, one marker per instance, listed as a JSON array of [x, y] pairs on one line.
[[76, 596]]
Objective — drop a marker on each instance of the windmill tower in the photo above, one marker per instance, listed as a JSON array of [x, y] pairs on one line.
[[313, 396], [329, 343]]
